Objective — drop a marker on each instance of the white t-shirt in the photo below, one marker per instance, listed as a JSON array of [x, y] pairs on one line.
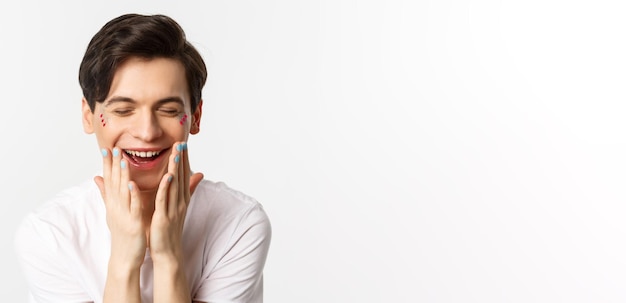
[[64, 247]]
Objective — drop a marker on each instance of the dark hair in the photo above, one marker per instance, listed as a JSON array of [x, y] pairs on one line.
[[134, 35]]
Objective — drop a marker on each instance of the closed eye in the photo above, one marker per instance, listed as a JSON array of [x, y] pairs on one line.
[[170, 111], [122, 112]]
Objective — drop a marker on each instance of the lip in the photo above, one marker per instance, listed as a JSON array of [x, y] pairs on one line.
[[148, 165]]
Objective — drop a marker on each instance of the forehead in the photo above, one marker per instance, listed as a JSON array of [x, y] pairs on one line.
[[150, 80]]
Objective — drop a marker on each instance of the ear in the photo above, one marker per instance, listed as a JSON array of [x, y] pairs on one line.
[[195, 119], [87, 117]]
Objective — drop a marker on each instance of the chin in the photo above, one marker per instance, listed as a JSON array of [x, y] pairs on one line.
[[148, 182]]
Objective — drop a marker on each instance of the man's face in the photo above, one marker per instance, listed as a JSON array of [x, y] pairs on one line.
[[146, 111]]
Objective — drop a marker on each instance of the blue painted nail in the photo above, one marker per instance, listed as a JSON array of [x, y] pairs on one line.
[[184, 145], [179, 147], [104, 152], [169, 178], [130, 186], [123, 164], [176, 158], [116, 152]]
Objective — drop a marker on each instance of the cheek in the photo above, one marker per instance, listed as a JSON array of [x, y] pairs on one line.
[[107, 131]]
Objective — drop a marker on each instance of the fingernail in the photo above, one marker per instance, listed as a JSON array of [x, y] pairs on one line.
[[169, 178], [130, 186], [104, 152], [176, 158], [116, 152], [123, 164], [179, 147], [184, 145]]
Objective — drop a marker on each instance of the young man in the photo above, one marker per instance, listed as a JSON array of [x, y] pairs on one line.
[[148, 229]]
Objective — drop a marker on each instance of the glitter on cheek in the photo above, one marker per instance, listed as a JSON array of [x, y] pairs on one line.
[[183, 119], [103, 119]]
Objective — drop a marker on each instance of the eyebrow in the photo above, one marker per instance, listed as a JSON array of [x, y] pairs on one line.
[[120, 99]]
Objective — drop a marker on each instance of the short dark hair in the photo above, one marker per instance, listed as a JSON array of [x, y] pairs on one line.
[[143, 36]]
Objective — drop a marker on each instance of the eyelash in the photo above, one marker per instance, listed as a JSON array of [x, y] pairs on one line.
[[172, 112], [126, 112], [122, 112]]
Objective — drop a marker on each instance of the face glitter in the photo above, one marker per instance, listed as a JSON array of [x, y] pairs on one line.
[[183, 119], [103, 120]]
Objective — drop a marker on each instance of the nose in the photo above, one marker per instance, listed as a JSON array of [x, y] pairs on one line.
[[146, 127]]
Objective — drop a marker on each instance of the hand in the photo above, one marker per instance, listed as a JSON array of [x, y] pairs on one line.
[[123, 211], [170, 206]]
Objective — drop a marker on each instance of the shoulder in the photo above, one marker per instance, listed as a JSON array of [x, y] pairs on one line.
[[62, 216], [221, 209], [237, 235], [70, 203], [53, 243], [222, 200]]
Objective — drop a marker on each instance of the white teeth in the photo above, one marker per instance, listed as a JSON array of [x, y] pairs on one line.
[[143, 154]]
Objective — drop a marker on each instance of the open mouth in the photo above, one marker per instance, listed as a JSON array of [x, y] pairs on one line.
[[144, 159]]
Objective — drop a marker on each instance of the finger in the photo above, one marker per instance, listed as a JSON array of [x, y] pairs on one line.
[[160, 202], [172, 197], [174, 166], [186, 173], [174, 158], [115, 168], [106, 166], [183, 180], [194, 178], [125, 185], [135, 202], [194, 181]]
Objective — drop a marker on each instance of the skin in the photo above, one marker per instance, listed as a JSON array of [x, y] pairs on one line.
[[146, 206]]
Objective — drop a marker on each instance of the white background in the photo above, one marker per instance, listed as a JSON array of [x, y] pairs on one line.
[[405, 151]]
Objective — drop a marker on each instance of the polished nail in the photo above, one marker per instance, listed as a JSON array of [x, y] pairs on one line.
[[104, 152], [123, 164], [116, 152], [176, 158], [180, 147], [130, 186], [169, 178]]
